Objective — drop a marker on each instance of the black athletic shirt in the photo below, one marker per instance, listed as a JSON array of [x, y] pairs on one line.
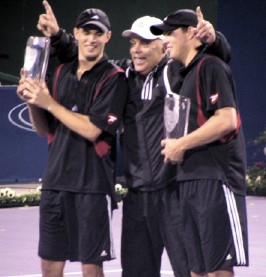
[[76, 164], [210, 86]]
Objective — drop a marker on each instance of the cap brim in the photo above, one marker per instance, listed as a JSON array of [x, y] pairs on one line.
[[97, 24], [159, 29], [148, 36], [127, 33]]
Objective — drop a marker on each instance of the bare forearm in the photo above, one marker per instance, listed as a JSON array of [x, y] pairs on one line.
[[78, 123], [219, 125], [38, 120], [39, 100]]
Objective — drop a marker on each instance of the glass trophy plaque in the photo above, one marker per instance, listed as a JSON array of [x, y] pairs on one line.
[[36, 57], [176, 114], [176, 111]]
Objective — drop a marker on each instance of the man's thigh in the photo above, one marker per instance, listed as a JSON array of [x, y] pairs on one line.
[[79, 226]]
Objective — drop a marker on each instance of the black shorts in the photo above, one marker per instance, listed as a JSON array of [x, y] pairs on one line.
[[215, 226], [151, 221], [75, 227]]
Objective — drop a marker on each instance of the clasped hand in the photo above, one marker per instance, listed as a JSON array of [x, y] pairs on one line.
[[34, 92], [172, 150]]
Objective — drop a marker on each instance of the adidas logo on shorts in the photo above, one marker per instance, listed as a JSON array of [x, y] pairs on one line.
[[229, 257], [103, 253]]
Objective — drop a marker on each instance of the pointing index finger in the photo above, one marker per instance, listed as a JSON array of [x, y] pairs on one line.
[[48, 9], [199, 14]]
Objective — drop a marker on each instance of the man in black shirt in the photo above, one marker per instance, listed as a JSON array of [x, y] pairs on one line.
[[80, 112], [211, 158]]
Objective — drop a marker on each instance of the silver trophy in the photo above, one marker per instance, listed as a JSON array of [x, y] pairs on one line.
[[176, 114], [36, 57], [176, 111]]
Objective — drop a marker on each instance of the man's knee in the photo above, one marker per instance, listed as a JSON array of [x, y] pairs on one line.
[[92, 270], [52, 268]]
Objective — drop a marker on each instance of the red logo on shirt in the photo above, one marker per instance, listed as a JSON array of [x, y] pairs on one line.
[[111, 119], [214, 98]]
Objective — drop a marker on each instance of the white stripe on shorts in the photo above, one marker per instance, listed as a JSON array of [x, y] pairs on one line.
[[112, 247], [235, 225]]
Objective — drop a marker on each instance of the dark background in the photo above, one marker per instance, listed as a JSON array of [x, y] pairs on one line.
[[242, 21], [18, 20], [244, 24]]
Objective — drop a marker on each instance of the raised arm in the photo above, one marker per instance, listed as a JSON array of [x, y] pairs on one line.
[[47, 23], [220, 48], [63, 45], [216, 42]]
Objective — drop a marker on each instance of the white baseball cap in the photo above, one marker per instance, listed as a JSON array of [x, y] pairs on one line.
[[141, 27]]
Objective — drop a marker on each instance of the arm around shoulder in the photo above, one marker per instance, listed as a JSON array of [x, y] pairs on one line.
[[64, 46], [220, 48]]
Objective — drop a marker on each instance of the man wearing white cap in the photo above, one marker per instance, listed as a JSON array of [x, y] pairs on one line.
[[150, 209], [151, 219]]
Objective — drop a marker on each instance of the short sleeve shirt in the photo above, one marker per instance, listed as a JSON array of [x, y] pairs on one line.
[[74, 163], [210, 87]]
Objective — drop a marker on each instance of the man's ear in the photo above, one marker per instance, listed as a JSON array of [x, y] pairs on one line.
[[163, 48], [75, 32], [191, 32], [109, 35]]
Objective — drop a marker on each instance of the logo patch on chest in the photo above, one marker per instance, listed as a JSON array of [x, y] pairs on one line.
[[214, 98], [111, 119], [74, 108]]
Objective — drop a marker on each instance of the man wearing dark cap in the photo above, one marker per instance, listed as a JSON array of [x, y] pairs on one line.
[[80, 112], [211, 157]]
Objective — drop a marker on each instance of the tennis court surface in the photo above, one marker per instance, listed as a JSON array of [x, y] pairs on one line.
[[19, 238]]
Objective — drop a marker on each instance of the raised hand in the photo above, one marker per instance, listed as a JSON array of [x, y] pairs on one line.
[[47, 23], [205, 30]]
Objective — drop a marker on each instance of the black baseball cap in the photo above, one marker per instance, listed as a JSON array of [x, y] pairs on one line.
[[94, 17], [179, 18]]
